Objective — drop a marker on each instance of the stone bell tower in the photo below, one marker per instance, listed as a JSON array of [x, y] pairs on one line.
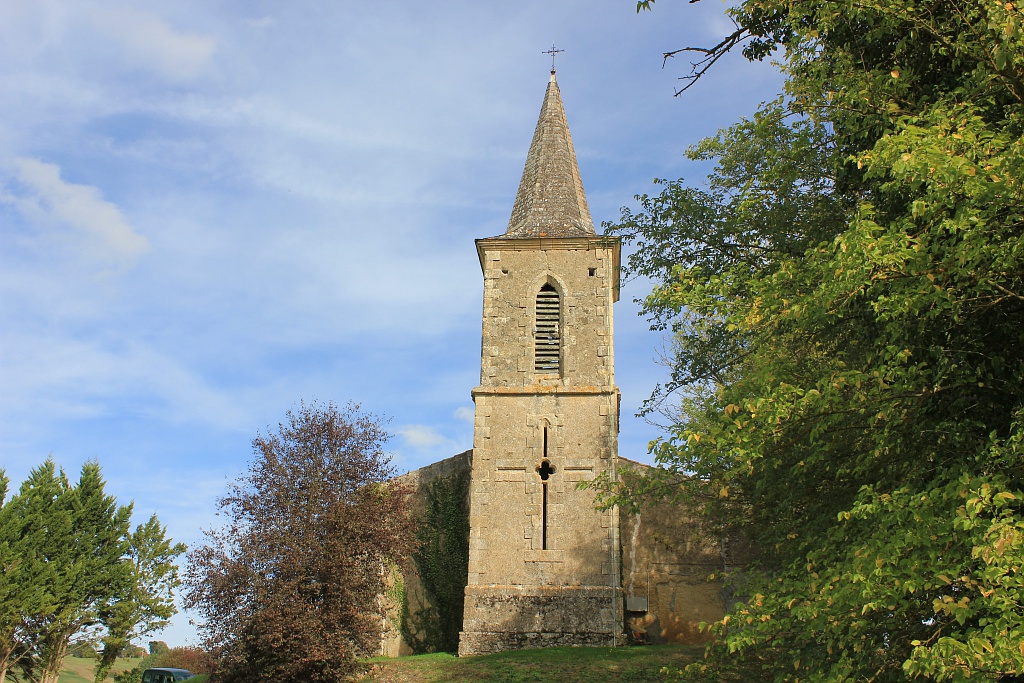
[[543, 563]]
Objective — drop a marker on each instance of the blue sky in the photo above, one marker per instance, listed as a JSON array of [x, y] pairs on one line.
[[212, 210]]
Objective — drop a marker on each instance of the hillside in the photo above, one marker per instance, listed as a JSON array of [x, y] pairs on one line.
[[81, 669]]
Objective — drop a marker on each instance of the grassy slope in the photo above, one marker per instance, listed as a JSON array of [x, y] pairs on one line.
[[82, 669], [629, 664]]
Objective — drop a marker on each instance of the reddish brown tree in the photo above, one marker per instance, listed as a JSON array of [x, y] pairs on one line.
[[290, 587], [195, 659]]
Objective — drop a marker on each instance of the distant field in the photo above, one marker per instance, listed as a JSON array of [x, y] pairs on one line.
[[555, 665], [82, 669]]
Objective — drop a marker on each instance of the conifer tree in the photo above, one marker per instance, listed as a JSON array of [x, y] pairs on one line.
[[90, 555], [67, 556], [148, 602], [23, 581], [40, 518]]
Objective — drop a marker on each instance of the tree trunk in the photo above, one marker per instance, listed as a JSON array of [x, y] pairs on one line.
[[54, 659], [10, 657]]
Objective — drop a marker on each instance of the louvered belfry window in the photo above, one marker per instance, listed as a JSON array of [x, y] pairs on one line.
[[547, 334]]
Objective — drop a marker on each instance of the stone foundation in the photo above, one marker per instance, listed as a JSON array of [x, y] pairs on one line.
[[500, 618]]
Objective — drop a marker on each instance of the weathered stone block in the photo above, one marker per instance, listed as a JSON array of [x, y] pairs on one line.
[[505, 617]]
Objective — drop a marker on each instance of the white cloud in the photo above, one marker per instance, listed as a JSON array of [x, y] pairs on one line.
[[80, 207], [424, 444], [464, 413], [421, 436], [151, 42]]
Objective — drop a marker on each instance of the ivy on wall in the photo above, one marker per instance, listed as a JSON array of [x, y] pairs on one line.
[[395, 597], [442, 562]]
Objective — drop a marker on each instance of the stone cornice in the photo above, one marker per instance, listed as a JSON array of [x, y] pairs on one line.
[[502, 243], [536, 390]]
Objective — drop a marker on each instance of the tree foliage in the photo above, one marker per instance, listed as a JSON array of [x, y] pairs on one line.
[[290, 587], [148, 603], [845, 297], [67, 553]]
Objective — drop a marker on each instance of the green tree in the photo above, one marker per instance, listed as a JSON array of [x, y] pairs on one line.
[[82, 534], [23, 581], [846, 299], [89, 553], [148, 603], [291, 587], [40, 521], [68, 565]]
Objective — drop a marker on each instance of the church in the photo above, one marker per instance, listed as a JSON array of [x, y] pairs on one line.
[[545, 567]]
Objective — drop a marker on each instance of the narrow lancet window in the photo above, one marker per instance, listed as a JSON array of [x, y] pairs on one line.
[[547, 336], [545, 471]]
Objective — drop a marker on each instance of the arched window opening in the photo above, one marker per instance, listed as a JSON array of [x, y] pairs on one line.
[[547, 332]]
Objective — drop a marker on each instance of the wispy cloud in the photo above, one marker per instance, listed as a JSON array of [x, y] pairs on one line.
[[50, 200], [92, 378], [149, 41]]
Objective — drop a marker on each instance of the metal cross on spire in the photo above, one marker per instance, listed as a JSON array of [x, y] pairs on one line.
[[553, 51]]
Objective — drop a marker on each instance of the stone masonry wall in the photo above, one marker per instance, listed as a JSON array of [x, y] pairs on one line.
[[416, 601], [667, 559], [583, 272]]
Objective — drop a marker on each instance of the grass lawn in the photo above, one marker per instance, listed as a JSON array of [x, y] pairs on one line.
[[554, 665], [82, 669]]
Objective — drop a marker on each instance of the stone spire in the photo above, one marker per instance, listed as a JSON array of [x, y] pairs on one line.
[[550, 201]]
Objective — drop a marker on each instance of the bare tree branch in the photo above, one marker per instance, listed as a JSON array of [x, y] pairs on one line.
[[711, 55]]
